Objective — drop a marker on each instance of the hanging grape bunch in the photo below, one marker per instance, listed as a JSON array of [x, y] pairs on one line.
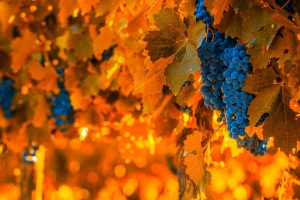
[[225, 66], [61, 107], [7, 92]]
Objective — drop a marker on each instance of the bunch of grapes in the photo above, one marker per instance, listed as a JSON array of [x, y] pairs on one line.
[[236, 101], [212, 69], [7, 92], [61, 108], [224, 67], [253, 144], [202, 14]]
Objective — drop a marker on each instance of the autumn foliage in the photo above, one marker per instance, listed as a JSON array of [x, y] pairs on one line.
[[136, 125]]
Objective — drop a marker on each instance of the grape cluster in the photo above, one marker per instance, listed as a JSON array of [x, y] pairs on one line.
[[61, 108], [202, 14], [7, 92], [224, 67], [253, 144], [236, 101], [29, 155], [212, 69]]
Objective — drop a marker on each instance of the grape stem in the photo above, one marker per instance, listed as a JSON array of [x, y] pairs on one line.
[[212, 33], [214, 133], [285, 4]]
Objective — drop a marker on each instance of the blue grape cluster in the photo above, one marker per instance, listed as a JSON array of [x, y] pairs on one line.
[[212, 69], [7, 93], [253, 144], [236, 101], [61, 107], [224, 67], [202, 14], [29, 155]]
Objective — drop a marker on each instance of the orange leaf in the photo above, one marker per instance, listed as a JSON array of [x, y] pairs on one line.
[[194, 161], [22, 47], [78, 100], [36, 70], [85, 6], [49, 83], [125, 81], [41, 112], [66, 8], [150, 83], [103, 41], [219, 7]]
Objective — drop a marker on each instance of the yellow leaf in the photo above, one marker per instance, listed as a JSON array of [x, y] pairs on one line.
[[186, 8], [194, 161], [22, 47]]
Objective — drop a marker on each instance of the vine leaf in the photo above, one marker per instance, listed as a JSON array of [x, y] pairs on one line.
[[194, 160], [273, 97], [170, 37], [78, 100], [41, 112], [175, 37], [19, 55], [294, 80], [65, 10], [49, 82], [150, 83], [91, 85], [219, 7], [86, 6], [186, 62], [36, 70], [186, 7], [82, 44], [102, 41]]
